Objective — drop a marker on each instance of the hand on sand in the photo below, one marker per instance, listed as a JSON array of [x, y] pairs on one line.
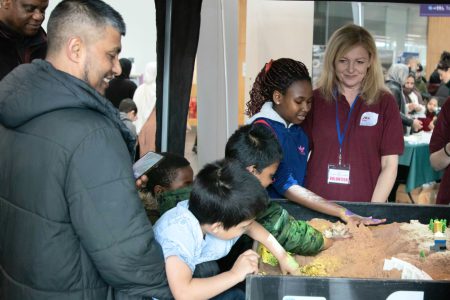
[[350, 217]]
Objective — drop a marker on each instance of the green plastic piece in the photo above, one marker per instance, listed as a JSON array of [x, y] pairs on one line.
[[443, 221]]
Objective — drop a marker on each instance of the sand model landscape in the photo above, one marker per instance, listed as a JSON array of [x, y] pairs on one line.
[[364, 254]]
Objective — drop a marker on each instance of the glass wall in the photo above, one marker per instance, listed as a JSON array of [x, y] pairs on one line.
[[398, 29]]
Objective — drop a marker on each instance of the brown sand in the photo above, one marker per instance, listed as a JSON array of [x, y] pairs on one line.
[[363, 255]]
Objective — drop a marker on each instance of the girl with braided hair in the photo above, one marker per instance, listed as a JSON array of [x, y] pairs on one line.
[[280, 99]]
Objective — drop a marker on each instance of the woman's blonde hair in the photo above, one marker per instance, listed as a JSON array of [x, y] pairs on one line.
[[341, 42]]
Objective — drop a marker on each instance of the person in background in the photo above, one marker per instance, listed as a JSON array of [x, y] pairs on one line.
[[440, 152], [431, 114], [145, 95], [437, 88], [420, 81], [22, 38], [439, 80], [168, 183], [440, 139], [223, 204], [121, 87], [414, 102], [145, 98], [443, 69], [128, 114], [78, 230], [396, 78], [354, 124]]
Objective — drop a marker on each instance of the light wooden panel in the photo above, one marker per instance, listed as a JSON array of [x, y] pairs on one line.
[[241, 58], [438, 41]]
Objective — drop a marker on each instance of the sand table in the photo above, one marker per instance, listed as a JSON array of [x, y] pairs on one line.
[[363, 255]]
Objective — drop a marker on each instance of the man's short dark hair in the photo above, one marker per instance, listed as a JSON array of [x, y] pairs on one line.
[[254, 144], [127, 105], [72, 15], [225, 192], [166, 171]]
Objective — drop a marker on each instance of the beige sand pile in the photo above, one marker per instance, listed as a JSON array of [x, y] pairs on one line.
[[363, 255]]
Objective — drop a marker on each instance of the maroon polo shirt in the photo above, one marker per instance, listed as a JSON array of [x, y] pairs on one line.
[[365, 142], [439, 138]]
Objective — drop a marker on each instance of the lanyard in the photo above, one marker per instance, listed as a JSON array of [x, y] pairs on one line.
[[338, 126]]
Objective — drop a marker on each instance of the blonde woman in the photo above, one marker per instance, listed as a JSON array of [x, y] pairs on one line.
[[354, 125]]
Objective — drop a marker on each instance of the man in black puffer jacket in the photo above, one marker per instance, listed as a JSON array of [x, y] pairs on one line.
[[71, 222]]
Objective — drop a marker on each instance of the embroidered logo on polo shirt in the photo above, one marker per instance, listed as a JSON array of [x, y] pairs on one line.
[[369, 119], [301, 150]]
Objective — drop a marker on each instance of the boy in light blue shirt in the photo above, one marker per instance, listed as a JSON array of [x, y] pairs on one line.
[[223, 204]]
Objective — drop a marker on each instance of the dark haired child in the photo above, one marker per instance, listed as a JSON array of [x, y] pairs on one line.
[[128, 114], [280, 99], [224, 202], [430, 114], [168, 183], [257, 149]]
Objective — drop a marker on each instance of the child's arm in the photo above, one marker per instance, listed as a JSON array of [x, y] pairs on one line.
[[183, 286], [260, 234], [305, 197]]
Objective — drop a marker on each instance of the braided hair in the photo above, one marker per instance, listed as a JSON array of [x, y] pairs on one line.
[[276, 75]]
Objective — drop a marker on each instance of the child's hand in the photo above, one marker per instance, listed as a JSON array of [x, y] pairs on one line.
[[288, 265], [349, 217], [246, 263]]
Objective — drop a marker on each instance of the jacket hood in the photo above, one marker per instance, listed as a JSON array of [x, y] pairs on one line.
[[268, 112], [125, 64], [150, 73], [19, 101]]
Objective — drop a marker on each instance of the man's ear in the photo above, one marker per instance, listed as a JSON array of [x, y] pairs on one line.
[[75, 49], [252, 169]]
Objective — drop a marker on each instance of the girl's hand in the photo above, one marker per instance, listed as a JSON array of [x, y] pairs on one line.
[[349, 217]]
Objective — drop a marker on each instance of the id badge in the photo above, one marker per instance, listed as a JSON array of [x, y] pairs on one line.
[[339, 174]]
